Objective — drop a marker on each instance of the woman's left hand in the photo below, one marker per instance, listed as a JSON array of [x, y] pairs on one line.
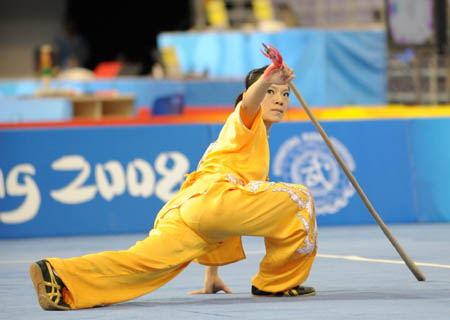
[[213, 283]]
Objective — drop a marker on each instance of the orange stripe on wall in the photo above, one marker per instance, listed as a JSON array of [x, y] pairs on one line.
[[219, 115]]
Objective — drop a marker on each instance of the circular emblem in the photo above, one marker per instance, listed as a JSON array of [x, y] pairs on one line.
[[306, 160]]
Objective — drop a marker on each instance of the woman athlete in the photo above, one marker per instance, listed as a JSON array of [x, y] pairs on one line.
[[227, 197]]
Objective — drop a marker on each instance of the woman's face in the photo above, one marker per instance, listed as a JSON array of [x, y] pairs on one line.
[[275, 103]]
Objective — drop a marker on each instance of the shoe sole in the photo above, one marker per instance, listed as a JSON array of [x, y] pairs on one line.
[[41, 292], [274, 296]]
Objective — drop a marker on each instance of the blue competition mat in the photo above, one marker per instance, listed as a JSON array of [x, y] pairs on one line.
[[357, 275]]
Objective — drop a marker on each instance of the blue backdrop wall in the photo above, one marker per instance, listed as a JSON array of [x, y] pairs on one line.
[[115, 180]]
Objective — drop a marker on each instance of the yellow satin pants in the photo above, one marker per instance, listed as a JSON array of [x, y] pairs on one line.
[[204, 227]]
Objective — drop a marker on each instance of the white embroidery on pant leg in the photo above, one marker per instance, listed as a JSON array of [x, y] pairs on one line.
[[253, 185], [310, 203], [294, 196], [308, 247], [256, 185], [230, 178], [308, 244], [305, 222], [305, 191]]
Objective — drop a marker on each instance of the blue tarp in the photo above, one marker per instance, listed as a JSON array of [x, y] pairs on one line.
[[332, 67]]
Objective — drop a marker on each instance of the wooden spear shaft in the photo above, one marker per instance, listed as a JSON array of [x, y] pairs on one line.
[[408, 261]]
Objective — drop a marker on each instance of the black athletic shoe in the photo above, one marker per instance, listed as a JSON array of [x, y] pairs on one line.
[[48, 286], [294, 292]]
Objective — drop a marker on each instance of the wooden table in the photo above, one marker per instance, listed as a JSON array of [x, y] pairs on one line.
[[93, 106]]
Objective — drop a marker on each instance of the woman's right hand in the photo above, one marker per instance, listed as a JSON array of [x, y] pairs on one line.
[[281, 75]]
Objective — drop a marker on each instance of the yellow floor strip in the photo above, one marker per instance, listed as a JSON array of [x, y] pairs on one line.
[[370, 112]]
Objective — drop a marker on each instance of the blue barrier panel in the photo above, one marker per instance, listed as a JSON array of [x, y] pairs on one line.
[[115, 180], [375, 151], [92, 181], [14, 87], [28, 110], [431, 157]]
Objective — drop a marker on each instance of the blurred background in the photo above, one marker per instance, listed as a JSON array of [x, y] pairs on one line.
[[83, 35], [128, 31], [92, 31]]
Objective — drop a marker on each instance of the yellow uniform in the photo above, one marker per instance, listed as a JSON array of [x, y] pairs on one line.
[[226, 197]]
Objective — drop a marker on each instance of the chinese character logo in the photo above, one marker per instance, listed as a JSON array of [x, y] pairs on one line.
[[306, 160]]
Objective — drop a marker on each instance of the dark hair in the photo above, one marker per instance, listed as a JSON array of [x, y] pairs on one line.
[[251, 78]]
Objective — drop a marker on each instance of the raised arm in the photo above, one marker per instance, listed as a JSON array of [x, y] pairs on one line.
[[255, 94]]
